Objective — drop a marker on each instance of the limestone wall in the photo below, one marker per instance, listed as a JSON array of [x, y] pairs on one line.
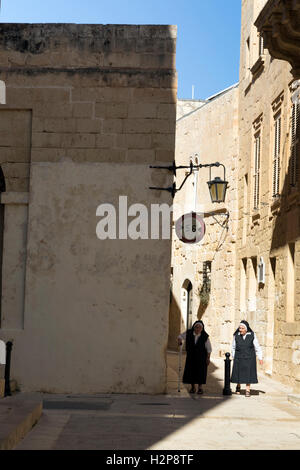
[[185, 107], [270, 231], [88, 109], [208, 135]]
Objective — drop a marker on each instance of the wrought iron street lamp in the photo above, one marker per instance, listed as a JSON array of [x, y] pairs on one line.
[[217, 187]]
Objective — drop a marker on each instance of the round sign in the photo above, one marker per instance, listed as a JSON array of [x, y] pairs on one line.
[[190, 228]]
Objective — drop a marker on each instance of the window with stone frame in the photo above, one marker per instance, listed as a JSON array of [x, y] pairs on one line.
[[257, 126], [248, 52], [276, 145], [294, 149], [276, 156], [256, 175], [258, 53]]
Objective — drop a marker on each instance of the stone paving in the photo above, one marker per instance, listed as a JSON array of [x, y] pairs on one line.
[[174, 421]]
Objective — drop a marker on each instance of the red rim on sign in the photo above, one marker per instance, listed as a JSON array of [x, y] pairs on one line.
[[190, 228]]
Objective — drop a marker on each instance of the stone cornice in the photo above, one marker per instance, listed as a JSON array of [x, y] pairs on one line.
[[279, 23]]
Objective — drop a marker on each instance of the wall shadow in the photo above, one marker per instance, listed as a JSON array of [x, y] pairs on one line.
[[203, 305], [137, 422], [214, 385], [286, 208], [176, 320]]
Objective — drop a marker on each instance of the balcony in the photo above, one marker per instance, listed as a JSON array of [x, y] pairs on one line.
[[279, 23]]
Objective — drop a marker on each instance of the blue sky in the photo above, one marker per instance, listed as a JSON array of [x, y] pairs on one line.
[[208, 31]]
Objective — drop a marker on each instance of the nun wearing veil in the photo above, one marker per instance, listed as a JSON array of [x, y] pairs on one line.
[[198, 350], [245, 349]]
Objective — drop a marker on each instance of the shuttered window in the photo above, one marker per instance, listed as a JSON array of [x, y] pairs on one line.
[[276, 156], [256, 171], [260, 45], [294, 159]]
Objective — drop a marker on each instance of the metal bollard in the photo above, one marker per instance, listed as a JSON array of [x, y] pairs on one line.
[[7, 391], [227, 389]]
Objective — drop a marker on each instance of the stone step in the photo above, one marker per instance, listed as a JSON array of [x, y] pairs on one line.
[[18, 414]]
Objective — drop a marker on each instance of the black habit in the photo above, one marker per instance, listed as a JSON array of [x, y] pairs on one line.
[[195, 370], [244, 363]]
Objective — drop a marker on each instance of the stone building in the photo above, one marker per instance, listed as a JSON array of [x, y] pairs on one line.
[[185, 107], [88, 109], [268, 244], [254, 130], [201, 286]]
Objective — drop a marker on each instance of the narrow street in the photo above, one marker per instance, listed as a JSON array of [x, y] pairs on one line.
[[175, 421]]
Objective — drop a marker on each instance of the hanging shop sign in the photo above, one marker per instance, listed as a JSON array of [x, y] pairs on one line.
[[190, 228]]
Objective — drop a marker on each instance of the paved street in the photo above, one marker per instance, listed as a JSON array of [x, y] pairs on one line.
[[175, 421]]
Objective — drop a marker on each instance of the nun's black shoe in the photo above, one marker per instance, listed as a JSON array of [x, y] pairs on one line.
[[200, 391], [238, 389], [192, 390]]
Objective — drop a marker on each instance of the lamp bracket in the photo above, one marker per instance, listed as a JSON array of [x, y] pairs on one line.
[[173, 190], [225, 221]]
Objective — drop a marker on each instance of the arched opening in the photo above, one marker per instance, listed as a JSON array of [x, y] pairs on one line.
[[187, 303]]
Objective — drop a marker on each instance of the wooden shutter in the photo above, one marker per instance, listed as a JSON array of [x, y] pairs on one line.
[[294, 163], [276, 157], [261, 45], [256, 171]]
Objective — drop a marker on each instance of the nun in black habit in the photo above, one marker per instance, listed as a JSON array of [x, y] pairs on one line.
[[245, 348], [198, 350]]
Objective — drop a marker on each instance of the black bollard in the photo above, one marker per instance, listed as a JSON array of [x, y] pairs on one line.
[[227, 389], [7, 392]]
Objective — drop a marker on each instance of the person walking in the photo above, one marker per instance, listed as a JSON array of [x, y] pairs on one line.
[[245, 349], [198, 351]]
